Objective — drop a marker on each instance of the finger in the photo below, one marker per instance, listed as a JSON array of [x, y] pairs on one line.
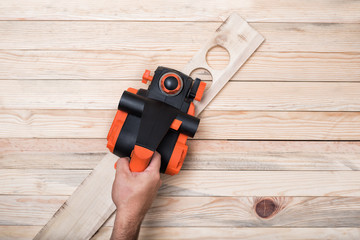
[[155, 163], [122, 165]]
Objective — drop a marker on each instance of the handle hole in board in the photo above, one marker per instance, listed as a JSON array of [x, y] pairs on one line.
[[203, 74], [218, 57]]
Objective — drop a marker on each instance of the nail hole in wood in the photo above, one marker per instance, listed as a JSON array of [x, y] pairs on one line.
[[265, 208], [217, 57]]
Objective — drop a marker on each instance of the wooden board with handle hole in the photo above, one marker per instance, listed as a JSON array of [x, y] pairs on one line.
[[91, 205]]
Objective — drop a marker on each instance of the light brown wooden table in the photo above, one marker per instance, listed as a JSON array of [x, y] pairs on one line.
[[277, 153]]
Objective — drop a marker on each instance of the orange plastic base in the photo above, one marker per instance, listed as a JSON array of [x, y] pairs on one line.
[[178, 155], [117, 125], [115, 129], [180, 150]]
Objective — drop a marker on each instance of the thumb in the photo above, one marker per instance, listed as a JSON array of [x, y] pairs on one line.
[[122, 165], [155, 163]]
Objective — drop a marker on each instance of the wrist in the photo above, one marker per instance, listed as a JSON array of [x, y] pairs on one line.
[[131, 211], [125, 227], [125, 218]]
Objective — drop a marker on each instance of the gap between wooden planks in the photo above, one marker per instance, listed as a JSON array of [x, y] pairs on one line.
[[203, 154], [125, 65], [196, 183], [171, 36], [243, 96], [214, 124], [205, 211], [186, 10], [188, 233]]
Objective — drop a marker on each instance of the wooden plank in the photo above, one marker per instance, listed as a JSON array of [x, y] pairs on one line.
[[170, 36], [188, 233], [202, 155], [272, 125], [243, 96], [101, 207], [186, 10], [242, 212], [196, 183], [25, 232], [41, 182], [201, 211], [129, 65], [237, 39], [262, 183], [214, 124], [54, 145], [241, 233], [21, 210]]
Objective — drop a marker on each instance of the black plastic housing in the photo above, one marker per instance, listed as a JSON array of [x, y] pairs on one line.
[[150, 113]]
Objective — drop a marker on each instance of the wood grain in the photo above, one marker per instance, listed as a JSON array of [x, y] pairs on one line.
[[202, 155], [196, 183], [243, 96], [41, 182], [130, 65], [170, 36], [186, 10], [205, 211], [188, 233], [302, 84], [74, 221], [213, 125], [241, 233], [239, 212]]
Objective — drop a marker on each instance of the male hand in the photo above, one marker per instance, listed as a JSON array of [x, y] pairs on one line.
[[133, 194]]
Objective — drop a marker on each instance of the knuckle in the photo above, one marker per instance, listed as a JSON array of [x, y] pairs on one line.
[[121, 173], [157, 176]]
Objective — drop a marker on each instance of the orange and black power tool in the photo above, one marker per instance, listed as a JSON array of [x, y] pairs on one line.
[[160, 118]]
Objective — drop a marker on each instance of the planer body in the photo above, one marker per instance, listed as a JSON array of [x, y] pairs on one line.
[[160, 118]]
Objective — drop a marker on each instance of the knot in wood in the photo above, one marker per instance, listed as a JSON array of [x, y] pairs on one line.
[[265, 208]]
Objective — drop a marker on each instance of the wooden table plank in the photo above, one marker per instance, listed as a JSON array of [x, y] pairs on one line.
[[206, 211], [243, 96], [196, 183], [170, 36], [240, 233], [214, 124], [186, 10], [202, 155], [188, 233], [262, 66]]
